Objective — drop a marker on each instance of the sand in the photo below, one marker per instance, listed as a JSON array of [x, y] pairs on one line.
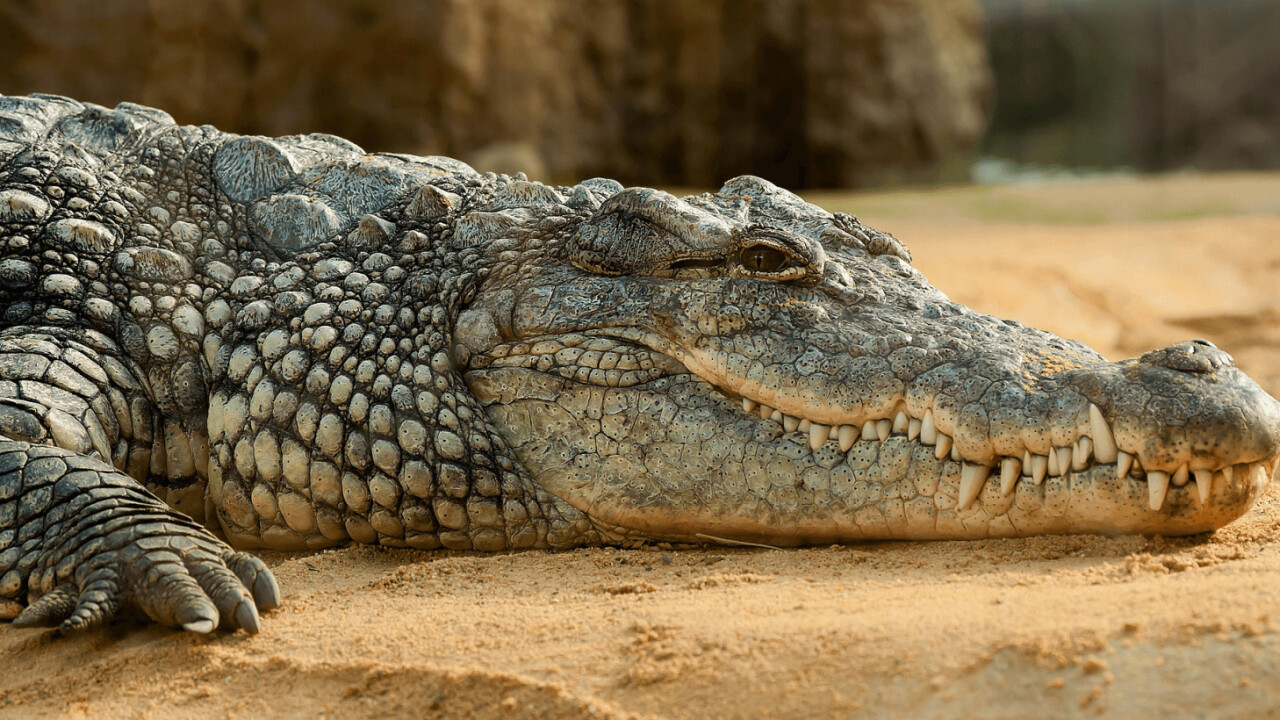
[[1042, 627]]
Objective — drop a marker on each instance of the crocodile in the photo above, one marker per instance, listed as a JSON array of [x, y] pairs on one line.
[[212, 343]]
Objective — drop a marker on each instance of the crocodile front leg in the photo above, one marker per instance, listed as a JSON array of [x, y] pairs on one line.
[[83, 543], [80, 540]]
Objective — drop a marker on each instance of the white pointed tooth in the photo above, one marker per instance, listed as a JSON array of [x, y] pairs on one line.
[[1039, 465], [818, 435], [776, 416], [1104, 442], [804, 425], [900, 423], [913, 428], [1124, 463], [1026, 462], [1081, 452], [1204, 483], [1180, 476], [1052, 458], [972, 478], [1157, 488], [1228, 471], [764, 411], [847, 436], [1064, 460], [928, 433], [790, 423], [943, 448], [1010, 469], [749, 405], [869, 430], [883, 428], [955, 452], [1220, 479], [1258, 474]]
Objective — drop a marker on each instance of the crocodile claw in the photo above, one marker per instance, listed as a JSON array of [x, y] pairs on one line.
[[178, 581]]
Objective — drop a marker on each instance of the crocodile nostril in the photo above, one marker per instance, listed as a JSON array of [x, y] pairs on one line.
[[1200, 356]]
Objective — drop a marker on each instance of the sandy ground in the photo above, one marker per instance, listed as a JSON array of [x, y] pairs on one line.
[[1044, 627]]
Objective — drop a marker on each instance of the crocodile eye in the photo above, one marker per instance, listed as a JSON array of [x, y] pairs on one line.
[[762, 258]]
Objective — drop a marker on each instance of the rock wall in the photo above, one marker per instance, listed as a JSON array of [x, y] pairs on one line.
[[1153, 85], [805, 92]]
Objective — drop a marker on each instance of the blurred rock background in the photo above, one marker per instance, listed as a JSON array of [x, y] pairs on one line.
[[1151, 85], [809, 93], [687, 92]]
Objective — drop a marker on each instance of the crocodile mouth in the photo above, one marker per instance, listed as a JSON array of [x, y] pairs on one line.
[[1087, 453], [629, 357]]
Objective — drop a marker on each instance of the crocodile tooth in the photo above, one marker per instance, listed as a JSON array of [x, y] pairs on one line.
[[900, 423], [1204, 483], [1064, 460], [1104, 442], [883, 428], [847, 436], [804, 425], [1257, 474], [764, 411], [1081, 452], [1026, 462], [972, 478], [943, 448], [790, 423], [1052, 460], [749, 405], [1039, 464], [869, 430], [1223, 482], [1157, 488], [928, 433], [1124, 462], [776, 416], [1010, 469], [1180, 476], [1228, 471], [955, 452], [818, 435], [913, 429]]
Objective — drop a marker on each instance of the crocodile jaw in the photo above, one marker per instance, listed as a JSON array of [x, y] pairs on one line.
[[675, 459], [848, 399]]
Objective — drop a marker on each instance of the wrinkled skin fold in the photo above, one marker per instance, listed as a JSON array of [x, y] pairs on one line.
[[211, 341]]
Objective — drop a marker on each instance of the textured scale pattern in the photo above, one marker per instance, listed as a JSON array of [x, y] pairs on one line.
[[211, 341]]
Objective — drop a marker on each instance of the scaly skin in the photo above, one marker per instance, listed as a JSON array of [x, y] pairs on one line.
[[298, 345]]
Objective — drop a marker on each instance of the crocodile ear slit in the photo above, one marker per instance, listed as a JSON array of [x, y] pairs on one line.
[[698, 263]]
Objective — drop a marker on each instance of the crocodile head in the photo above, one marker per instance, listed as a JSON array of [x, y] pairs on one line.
[[745, 365]]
